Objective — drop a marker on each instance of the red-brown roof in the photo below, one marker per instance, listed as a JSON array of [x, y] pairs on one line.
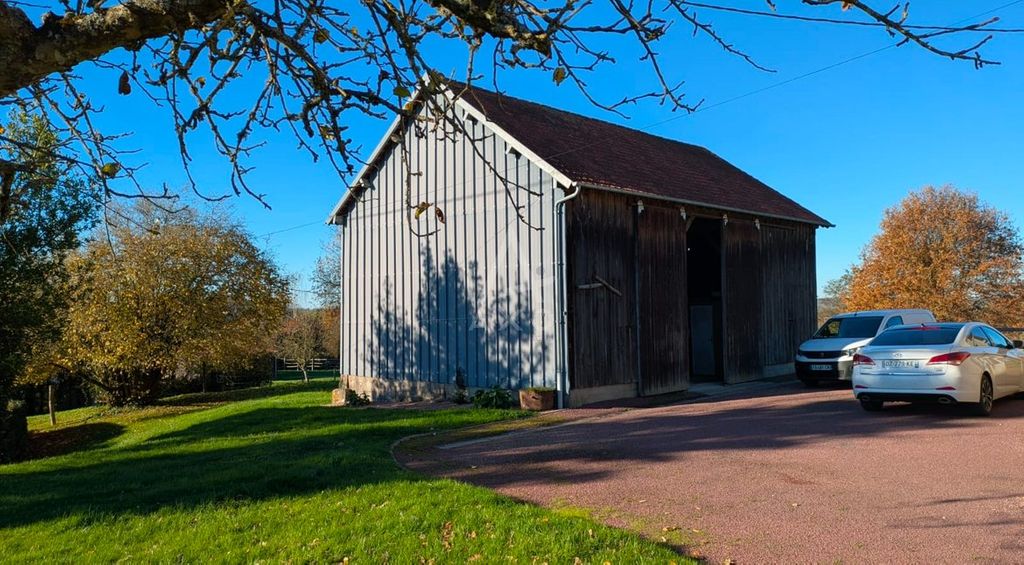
[[591, 151]]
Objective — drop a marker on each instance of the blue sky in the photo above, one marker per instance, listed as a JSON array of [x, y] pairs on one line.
[[847, 142]]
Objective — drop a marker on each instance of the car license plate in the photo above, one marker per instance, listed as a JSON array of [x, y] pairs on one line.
[[821, 367], [900, 364]]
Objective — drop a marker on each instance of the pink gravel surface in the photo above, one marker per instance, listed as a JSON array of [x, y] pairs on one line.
[[801, 477]]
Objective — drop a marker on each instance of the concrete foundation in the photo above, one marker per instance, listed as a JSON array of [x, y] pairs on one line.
[[386, 390]]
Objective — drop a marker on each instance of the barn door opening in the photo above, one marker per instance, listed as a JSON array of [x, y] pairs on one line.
[[704, 296]]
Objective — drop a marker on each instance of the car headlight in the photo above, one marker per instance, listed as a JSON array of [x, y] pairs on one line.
[[851, 351]]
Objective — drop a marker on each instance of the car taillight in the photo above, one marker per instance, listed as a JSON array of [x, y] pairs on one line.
[[859, 359], [955, 358]]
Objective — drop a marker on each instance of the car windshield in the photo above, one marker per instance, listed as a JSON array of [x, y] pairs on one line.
[[918, 335], [859, 326]]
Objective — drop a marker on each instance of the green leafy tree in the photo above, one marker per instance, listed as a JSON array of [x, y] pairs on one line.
[[44, 210], [169, 296]]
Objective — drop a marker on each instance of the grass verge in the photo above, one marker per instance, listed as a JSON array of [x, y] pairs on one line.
[[273, 475]]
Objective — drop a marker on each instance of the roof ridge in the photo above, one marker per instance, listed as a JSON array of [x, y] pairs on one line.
[[630, 130], [592, 150]]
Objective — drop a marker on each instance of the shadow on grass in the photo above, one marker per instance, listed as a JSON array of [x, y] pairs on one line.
[[264, 421], [60, 441], [305, 450]]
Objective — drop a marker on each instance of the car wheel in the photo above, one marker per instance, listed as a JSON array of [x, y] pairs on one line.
[[986, 398], [809, 383], [872, 405]]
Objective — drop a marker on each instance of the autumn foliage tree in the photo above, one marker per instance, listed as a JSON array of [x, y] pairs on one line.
[[945, 250], [169, 296], [326, 282]]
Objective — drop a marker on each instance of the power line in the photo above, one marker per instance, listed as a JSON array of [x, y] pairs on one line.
[[992, 11], [292, 228], [813, 19], [790, 80], [748, 94]]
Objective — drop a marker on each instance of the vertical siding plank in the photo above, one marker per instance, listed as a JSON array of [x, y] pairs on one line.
[[346, 285], [453, 210], [466, 228], [519, 290], [744, 309], [479, 229]]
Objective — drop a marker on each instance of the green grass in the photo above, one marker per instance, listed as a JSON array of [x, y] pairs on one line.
[[273, 475], [297, 375]]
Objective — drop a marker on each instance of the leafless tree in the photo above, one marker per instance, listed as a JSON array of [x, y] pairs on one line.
[[301, 339], [237, 71]]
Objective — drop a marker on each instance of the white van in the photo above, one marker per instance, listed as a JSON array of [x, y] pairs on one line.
[[828, 355]]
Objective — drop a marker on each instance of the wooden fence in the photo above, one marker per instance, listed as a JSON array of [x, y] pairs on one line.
[[318, 364]]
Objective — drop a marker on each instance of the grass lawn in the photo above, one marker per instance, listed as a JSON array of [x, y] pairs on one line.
[[297, 375], [274, 475]]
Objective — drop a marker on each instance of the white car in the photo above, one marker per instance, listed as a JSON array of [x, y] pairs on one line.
[[945, 363], [828, 355]]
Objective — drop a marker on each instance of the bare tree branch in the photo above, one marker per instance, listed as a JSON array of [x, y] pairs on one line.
[[236, 72]]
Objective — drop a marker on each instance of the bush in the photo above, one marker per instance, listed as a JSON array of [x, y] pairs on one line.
[[258, 371], [255, 372], [460, 396], [129, 387], [354, 399], [494, 397], [13, 431]]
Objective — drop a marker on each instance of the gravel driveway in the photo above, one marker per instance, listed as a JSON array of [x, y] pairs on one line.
[[798, 476]]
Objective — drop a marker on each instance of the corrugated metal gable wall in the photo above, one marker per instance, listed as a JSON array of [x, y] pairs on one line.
[[477, 293]]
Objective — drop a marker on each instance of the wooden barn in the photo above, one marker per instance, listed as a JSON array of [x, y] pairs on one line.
[[495, 241]]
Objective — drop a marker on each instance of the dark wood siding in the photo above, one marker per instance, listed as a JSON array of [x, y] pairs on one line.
[[635, 330], [663, 310], [602, 345], [788, 290], [607, 240], [742, 301]]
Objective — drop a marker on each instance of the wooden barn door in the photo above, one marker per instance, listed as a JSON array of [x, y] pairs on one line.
[[601, 279], [790, 309], [742, 301], [661, 301]]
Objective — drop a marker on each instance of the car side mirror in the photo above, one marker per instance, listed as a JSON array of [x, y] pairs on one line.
[[1018, 344]]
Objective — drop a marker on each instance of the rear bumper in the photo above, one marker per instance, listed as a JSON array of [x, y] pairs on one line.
[[950, 384], [944, 397]]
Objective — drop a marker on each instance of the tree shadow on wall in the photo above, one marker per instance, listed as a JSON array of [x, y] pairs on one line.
[[453, 325]]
